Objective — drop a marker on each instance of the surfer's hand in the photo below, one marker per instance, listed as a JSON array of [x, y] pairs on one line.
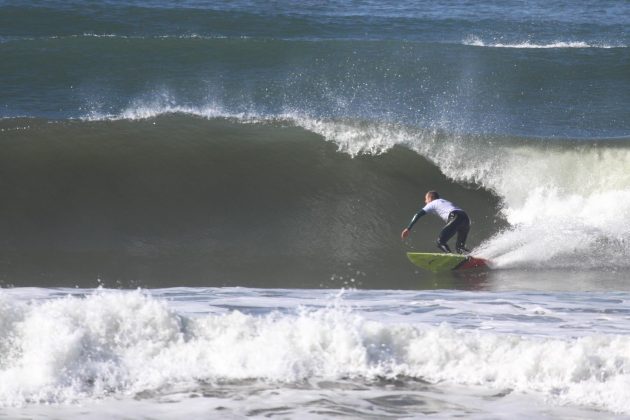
[[404, 234]]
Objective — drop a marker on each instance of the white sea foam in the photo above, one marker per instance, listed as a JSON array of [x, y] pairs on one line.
[[567, 207], [121, 343]]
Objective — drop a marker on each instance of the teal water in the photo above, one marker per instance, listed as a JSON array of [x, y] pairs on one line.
[[543, 70]]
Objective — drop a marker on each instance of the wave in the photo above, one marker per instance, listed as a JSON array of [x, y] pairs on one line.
[[550, 196], [478, 42], [109, 344], [148, 201], [565, 202], [154, 186]]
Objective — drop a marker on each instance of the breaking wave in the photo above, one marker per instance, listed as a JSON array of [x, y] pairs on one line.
[[126, 343], [478, 42]]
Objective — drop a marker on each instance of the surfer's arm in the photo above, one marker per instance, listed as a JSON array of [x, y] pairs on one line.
[[415, 218]]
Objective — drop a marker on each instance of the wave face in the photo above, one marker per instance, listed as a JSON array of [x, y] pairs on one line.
[[315, 202], [213, 201]]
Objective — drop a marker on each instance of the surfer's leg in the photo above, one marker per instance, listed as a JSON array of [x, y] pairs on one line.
[[447, 233], [462, 234], [444, 247]]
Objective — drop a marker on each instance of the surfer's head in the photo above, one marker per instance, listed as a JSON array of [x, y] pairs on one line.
[[430, 196]]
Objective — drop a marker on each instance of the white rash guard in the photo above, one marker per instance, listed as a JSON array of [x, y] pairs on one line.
[[440, 207]]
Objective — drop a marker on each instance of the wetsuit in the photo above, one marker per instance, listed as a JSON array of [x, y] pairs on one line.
[[456, 219]]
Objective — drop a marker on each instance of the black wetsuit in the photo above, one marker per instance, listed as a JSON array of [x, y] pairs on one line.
[[458, 222]]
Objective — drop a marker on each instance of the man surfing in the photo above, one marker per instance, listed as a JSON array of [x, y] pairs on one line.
[[456, 219]]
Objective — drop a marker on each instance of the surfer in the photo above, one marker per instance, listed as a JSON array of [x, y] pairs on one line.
[[456, 219]]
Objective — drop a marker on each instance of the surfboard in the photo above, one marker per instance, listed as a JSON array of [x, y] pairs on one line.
[[439, 262]]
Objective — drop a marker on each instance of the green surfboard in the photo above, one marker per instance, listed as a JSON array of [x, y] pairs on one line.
[[436, 262]]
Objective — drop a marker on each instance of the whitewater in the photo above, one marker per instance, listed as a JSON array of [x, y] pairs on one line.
[[348, 353]]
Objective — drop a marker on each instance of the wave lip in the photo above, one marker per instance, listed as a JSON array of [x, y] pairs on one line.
[[163, 104]]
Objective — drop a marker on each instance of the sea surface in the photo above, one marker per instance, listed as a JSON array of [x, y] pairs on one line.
[[201, 206]]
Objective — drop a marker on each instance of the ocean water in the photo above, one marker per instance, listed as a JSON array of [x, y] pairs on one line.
[[202, 202]]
